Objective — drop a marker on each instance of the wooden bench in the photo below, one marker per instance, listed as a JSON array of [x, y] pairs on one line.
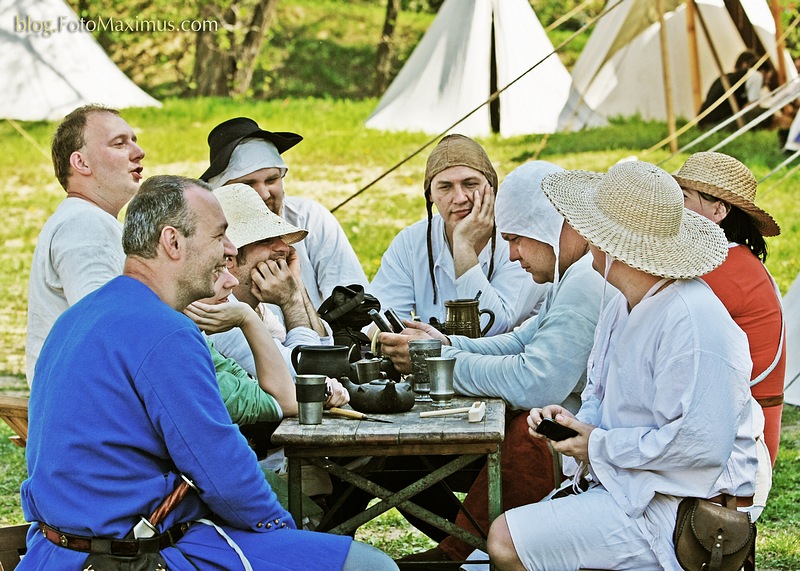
[[14, 412], [12, 545]]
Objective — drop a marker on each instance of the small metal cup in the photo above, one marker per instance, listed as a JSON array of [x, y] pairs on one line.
[[310, 398], [368, 370], [419, 350], [440, 371]]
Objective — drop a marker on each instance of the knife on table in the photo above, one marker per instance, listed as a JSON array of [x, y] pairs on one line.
[[355, 414]]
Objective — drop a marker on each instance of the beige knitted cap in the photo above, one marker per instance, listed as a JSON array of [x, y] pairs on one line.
[[459, 151]]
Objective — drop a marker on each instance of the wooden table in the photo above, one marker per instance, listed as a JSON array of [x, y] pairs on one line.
[[408, 435]]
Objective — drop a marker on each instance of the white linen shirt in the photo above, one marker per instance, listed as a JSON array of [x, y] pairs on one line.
[[403, 280], [326, 257], [668, 391], [79, 249], [542, 361]]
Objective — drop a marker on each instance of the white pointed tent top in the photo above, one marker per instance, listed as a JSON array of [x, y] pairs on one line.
[[619, 70], [46, 77], [448, 74]]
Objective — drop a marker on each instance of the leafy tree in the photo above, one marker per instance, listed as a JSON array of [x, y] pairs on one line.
[[383, 64], [225, 59]]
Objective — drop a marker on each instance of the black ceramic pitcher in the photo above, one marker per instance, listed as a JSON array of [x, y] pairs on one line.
[[329, 360]]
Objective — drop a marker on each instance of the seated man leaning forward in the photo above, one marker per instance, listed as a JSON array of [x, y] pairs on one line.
[[464, 259], [539, 362], [268, 270], [667, 411], [272, 396], [126, 405], [242, 152]]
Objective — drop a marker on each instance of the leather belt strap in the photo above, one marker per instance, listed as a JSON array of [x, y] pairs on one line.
[[108, 546], [767, 402], [741, 502]]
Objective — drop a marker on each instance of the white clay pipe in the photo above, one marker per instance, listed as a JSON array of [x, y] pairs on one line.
[[476, 412]]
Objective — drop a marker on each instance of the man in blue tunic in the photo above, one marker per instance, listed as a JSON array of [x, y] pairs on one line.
[[126, 405]]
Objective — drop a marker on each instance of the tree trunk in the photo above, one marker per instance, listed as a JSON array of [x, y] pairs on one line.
[[383, 64], [213, 67], [251, 46]]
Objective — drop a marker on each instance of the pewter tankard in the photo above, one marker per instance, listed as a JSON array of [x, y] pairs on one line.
[[462, 317]]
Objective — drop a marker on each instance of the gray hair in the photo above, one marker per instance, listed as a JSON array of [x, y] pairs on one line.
[[159, 202]]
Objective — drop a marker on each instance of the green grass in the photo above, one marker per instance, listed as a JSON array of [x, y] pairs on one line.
[[337, 158], [328, 104]]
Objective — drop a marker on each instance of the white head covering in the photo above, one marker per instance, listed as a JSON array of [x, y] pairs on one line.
[[523, 209], [249, 156]]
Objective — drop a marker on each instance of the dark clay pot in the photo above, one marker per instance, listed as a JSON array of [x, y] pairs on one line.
[[380, 396]]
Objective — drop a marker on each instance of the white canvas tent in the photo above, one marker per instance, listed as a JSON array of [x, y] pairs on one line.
[[45, 76], [448, 74], [619, 71], [791, 316], [793, 140]]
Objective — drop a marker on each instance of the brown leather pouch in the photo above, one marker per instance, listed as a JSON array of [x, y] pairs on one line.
[[711, 537]]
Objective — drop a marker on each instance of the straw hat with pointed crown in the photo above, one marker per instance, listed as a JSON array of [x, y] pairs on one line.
[[635, 214], [723, 177], [249, 219]]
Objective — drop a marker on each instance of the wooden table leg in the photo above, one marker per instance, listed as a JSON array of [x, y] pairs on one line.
[[296, 490], [495, 485], [495, 474]]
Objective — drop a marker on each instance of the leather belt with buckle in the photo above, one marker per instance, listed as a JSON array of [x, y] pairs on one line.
[[108, 546]]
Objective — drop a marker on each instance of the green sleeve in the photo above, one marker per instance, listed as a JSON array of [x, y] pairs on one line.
[[245, 400]]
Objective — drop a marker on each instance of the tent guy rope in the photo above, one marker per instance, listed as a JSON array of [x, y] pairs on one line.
[[491, 98]]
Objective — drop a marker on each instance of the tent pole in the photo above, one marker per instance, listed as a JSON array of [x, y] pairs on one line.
[[667, 72], [780, 46], [723, 77], [694, 58]]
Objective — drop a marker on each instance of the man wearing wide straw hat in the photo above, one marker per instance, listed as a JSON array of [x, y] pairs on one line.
[[242, 152], [724, 190], [464, 257], [666, 412], [267, 269]]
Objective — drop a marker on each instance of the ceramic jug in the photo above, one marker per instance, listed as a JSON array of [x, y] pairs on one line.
[[462, 317], [329, 360]]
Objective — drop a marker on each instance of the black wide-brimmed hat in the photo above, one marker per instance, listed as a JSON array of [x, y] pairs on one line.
[[227, 135]]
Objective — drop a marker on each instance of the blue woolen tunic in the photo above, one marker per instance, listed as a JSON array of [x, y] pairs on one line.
[[126, 399]]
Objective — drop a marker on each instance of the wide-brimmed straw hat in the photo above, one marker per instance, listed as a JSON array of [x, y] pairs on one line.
[[249, 219], [635, 214], [224, 137], [726, 178]]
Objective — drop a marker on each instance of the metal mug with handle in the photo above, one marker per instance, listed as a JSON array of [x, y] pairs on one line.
[[463, 317]]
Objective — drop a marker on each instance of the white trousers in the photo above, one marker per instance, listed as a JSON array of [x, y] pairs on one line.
[[585, 530]]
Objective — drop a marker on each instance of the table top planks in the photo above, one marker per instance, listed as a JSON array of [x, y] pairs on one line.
[[408, 433]]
